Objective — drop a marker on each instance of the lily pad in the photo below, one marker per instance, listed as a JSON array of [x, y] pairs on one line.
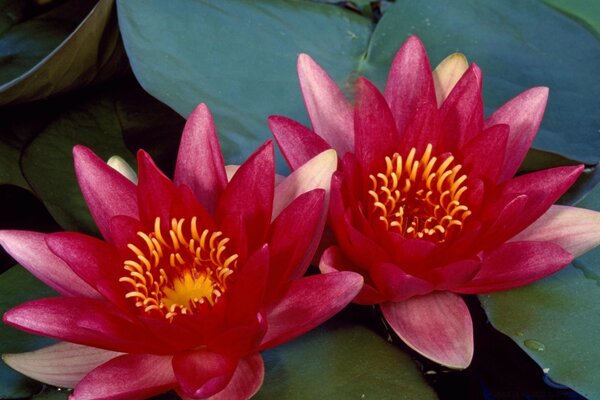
[[72, 45], [556, 320], [18, 286], [518, 44], [238, 57]]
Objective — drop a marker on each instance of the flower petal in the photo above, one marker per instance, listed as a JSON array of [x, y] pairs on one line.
[[447, 73], [128, 377], [298, 144], [483, 155], [155, 192], [315, 174], [106, 192], [84, 321], [246, 380], [31, 251], [203, 373], [329, 111], [248, 293], [245, 207], [294, 238], [516, 264], [309, 302], [410, 83], [396, 284], [63, 364], [523, 114], [375, 130], [576, 230], [200, 163], [437, 325]]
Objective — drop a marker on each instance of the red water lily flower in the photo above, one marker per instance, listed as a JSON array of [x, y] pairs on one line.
[[194, 277], [425, 205]]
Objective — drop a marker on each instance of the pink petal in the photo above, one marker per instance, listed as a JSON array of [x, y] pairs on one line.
[[462, 112], [410, 83], [247, 379], [106, 192], [31, 251], [84, 321], [128, 377], [293, 239], [315, 174], [200, 163], [437, 325], [63, 364], [329, 111], [245, 207], [298, 144], [447, 73], [309, 302], [203, 373], [155, 192], [375, 129], [517, 264], [576, 230], [523, 114]]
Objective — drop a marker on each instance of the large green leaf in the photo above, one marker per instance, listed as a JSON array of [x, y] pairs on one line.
[[518, 44], [557, 320], [586, 12], [57, 51], [18, 286], [341, 360], [238, 57]]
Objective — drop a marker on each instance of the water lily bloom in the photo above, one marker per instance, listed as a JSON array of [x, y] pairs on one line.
[[193, 278], [425, 204]]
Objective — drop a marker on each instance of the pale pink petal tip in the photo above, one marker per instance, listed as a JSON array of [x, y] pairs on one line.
[[63, 364], [437, 325]]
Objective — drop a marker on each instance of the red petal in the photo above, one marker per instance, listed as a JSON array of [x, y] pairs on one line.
[[155, 192], [31, 251], [523, 114], [329, 111], [483, 156], [203, 373], [293, 239], [246, 380], [333, 260], [437, 325], [309, 302], [397, 285], [84, 321], [244, 210], [298, 144], [410, 83], [200, 163], [376, 135], [248, 292], [516, 264], [128, 377], [106, 192]]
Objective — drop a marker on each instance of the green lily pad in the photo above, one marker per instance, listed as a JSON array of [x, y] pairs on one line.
[[586, 13], [518, 44], [238, 57], [556, 319], [56, 52], [18, 286], [341, 360]]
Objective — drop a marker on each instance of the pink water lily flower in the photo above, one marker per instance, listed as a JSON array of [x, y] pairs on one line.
[[425, 204], [192, 280]]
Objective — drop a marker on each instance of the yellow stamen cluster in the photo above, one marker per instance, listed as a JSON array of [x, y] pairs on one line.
[[420, 198], [175, 272]]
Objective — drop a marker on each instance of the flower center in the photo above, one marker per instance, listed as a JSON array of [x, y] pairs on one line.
[[180, 271], [419, 199]]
